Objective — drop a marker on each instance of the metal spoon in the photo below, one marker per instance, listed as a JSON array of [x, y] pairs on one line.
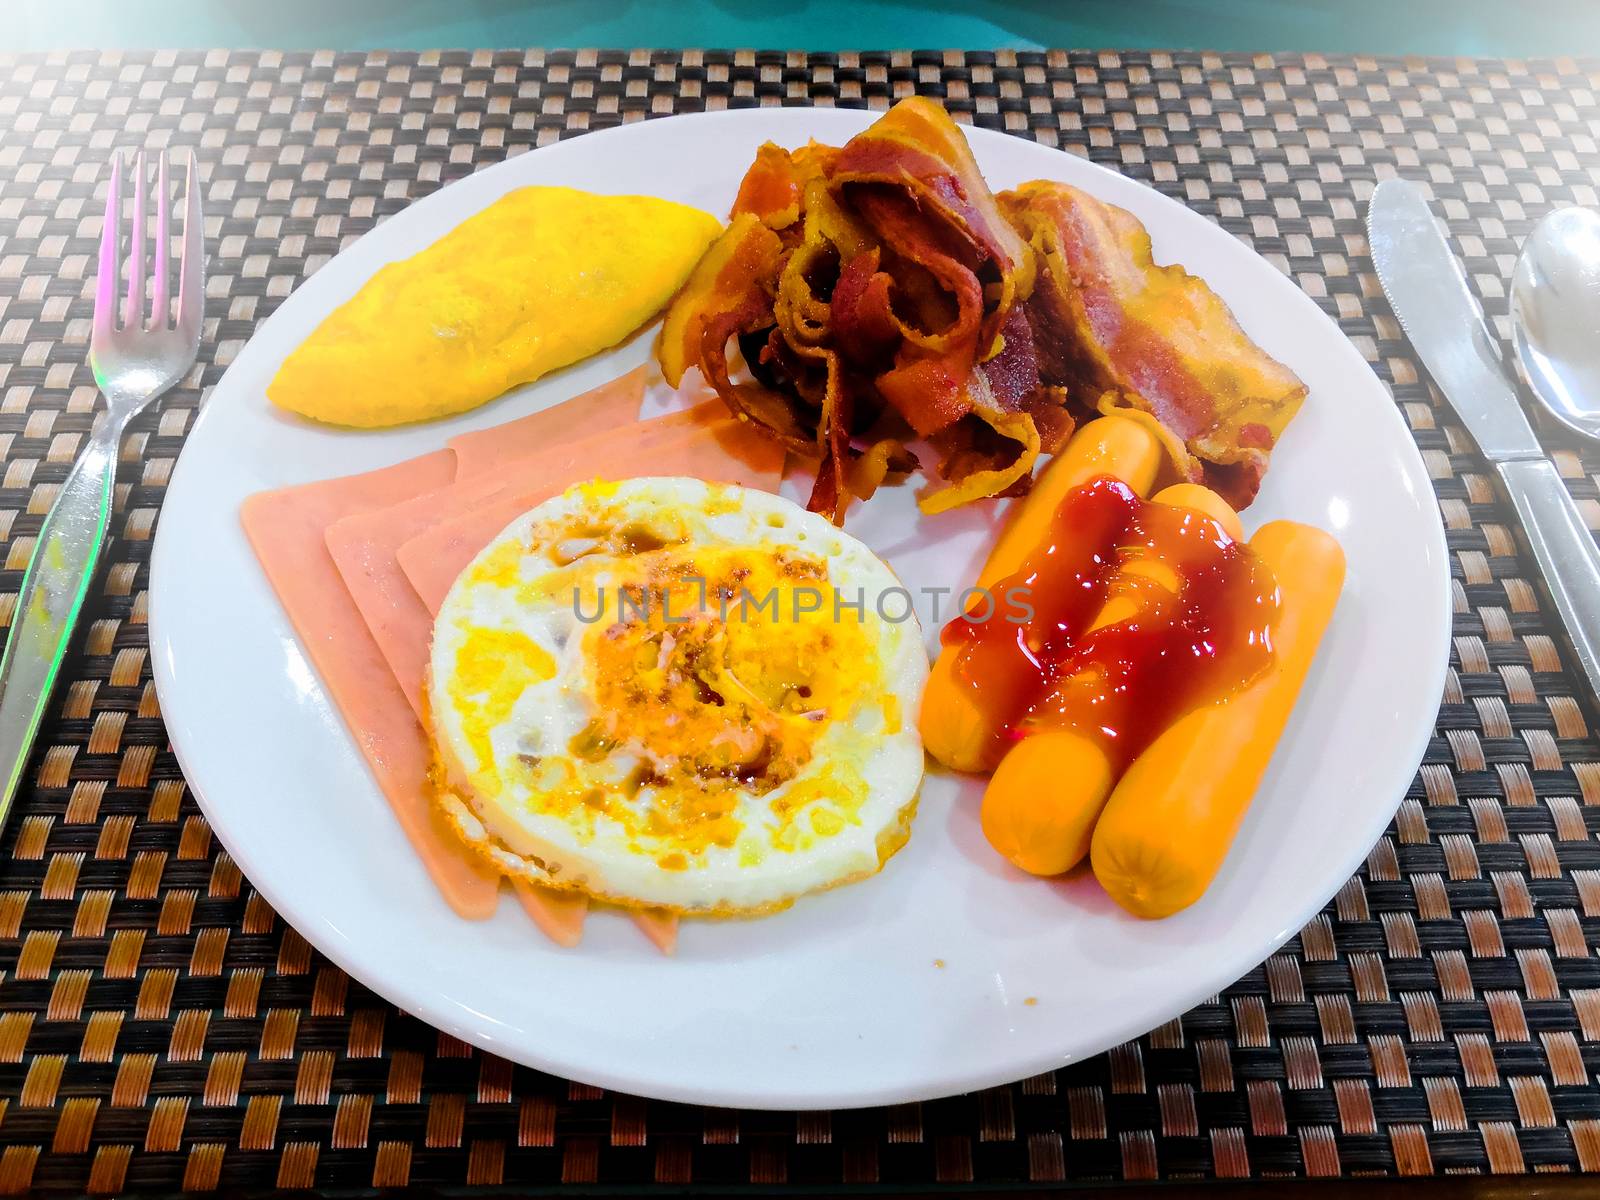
[[1555, 317]]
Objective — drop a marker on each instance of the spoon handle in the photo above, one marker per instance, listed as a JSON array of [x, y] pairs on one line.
[[1565, 551]]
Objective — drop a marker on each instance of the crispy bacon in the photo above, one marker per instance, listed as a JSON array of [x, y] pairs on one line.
[[863, 315], [774, 186], [916, 151], [1127, 335], [726, 296], [879, 288], [729, 279], [883, 295]]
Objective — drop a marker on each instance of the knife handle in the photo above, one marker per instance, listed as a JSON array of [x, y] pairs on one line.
[[1565, 551], [48, 604]]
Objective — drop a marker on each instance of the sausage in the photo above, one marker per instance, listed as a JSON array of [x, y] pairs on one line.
[[1165, 831], [956, 731]]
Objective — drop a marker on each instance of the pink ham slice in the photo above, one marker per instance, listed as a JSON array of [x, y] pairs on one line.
[[609, 406], [725, 451], [660, 927], [365, 545], [357, 613], [559, 915], [286, 529]]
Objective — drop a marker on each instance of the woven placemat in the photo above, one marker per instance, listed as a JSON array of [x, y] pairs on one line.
[[160, 1027]]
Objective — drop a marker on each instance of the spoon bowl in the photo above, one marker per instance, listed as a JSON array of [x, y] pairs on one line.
[[1555, 317]]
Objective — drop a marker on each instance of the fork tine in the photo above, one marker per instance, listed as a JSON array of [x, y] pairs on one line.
[[133, 314], [105, 292], [192, 270], [160, 308]]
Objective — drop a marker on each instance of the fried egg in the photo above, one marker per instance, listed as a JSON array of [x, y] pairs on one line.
[[669, 693]]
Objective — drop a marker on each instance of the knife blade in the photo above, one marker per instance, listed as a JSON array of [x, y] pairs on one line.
[[1428, 291]]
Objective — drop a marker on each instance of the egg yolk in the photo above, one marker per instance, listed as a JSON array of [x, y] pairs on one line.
[[722, 669], [493, 668]]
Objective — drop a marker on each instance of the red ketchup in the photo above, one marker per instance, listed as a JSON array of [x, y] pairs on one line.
[[1125, 682]]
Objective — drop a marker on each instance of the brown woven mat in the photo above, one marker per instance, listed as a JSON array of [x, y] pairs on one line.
[[160, 1027]]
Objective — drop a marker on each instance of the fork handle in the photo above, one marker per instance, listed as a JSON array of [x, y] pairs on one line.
[[52, 595]]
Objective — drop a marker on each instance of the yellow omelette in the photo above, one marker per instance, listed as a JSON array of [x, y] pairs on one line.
[[541, 278]]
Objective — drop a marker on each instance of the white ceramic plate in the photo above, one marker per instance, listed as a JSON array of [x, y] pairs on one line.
[[839, 1001]]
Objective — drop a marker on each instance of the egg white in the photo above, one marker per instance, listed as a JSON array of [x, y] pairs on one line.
[[512, 690]]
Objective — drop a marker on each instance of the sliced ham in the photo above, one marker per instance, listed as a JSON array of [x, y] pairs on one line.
[[559, 915], [659, 926], [609, 406], [286, 529], [333, 552], [726, 451], [364, 546]]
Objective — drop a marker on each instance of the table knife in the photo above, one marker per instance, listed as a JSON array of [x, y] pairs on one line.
[[1428, 290]]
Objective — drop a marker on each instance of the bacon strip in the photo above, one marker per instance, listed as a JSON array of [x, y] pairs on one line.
[[917, 150], [870, 287], [730, 293], [914, 183], [775, 184], [1130, 336], [729, 286]]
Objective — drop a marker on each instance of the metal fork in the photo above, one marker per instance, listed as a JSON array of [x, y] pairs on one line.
[[134, 361]]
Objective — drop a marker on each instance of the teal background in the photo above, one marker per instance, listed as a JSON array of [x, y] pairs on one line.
[[1498, 28]]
